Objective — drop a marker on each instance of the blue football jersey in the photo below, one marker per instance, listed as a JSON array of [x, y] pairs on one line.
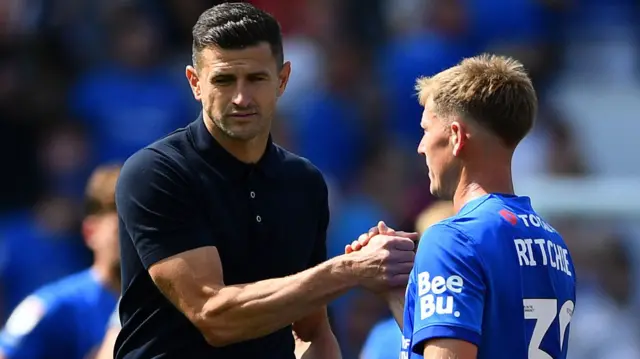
[[66, 319], [496, 275], [383, 341]]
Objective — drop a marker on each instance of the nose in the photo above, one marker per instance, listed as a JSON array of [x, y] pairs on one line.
[[421, 146], [242, 97]]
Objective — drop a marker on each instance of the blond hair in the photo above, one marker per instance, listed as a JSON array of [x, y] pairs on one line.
[[100, 193], [433, 214], [494, 91]]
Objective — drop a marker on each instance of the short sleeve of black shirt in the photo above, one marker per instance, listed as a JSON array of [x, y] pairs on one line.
[[319, 254], [157, 207]]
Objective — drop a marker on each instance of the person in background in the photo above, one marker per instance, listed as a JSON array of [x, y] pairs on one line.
[[66, 319], [385, 337]]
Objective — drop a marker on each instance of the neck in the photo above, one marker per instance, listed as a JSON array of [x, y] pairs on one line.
[[247, 151], [107, 275], [477, 182]]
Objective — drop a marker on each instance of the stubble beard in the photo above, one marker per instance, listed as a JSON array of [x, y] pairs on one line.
[[243, 135], [448, 183]]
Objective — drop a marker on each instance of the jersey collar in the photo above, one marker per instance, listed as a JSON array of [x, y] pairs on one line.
[[215, 154]]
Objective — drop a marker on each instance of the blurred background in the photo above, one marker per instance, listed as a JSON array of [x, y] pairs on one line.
[[87, 82]]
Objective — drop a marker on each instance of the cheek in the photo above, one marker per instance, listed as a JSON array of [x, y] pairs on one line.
[[436, 151], [266, 97]]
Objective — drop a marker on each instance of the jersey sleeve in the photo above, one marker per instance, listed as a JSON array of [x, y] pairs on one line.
[[33, 330], [158, 208], [319, 254], [450, 288]]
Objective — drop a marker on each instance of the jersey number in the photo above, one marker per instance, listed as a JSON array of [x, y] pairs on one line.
[[544, 311]]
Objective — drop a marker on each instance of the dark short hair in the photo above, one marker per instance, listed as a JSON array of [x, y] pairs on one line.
[[234, 26]]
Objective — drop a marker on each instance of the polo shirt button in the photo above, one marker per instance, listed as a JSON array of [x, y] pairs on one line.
[[252, 194], [258, 219]]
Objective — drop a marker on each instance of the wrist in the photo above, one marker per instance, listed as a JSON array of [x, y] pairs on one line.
[[344, 268]]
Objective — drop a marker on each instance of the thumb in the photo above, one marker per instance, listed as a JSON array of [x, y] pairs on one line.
[[382, 227]]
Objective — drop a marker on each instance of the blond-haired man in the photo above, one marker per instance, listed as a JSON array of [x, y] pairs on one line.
[[495, 280]]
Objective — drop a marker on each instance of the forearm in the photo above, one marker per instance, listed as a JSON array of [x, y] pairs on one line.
[[240, 312], [395, 300], [323, 347]]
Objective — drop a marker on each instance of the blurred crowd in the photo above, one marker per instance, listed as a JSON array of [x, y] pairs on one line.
[[84, 83]]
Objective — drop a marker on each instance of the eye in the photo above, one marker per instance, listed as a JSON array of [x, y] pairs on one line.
[[258, 78], [223, 80]]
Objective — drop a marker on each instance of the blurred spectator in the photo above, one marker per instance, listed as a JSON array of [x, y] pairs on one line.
[[67, 319], [606, 312], [39, 246], [131, 100], [20, 181]]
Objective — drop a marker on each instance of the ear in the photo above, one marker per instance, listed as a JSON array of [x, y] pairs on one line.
[[458, 137], [194, 82], [88, 228], [283, 77]]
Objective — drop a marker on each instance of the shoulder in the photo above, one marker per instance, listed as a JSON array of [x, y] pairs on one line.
[[300, 169], [480, 221], [48, 304], [68, 291], [162, 163], [447, 245], [445, 234], [169, 151]]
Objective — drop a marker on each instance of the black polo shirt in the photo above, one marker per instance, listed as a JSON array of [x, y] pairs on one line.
[[185, 191]]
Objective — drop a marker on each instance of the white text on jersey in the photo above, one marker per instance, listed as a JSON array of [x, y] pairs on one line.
[[436, 295], [540, 251], [531, 220]]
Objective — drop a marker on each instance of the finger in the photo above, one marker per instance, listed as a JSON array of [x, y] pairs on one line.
[[397, 256], [373, 231], [348, 249], [365, 238], [401, 268], [403, 244], [384, 229], [411, 235], [399, 280], [356, 246]]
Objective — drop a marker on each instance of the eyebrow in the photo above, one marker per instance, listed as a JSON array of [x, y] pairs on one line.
[[218, 75]]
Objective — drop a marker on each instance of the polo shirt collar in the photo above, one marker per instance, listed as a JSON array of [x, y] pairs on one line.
[[215, 154]]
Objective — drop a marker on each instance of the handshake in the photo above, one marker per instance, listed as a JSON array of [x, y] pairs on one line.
[[382, 258]]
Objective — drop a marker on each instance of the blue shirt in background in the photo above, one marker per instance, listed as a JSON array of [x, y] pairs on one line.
[[66, 320], [126, 110], [495, 275], [34, 255], [383, 341]]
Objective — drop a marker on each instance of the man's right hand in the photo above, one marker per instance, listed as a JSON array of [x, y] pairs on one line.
[[381, 228], [384, 262]]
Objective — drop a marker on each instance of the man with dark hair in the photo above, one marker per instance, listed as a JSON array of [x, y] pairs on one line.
[[67, 319], [494, 281], [223, 231]]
